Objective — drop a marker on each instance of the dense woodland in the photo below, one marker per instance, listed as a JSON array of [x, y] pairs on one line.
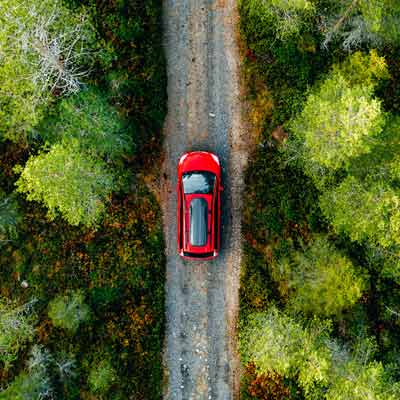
[[82, 102], [320, 284]]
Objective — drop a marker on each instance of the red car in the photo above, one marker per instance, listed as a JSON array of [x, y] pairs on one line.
[[199, 205]]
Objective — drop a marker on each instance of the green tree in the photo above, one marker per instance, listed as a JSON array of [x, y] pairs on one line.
[[16, 329], [322, 367], [383, 162], [356, 376], [367, 210], [356, 23], [69, 311], [89, 118], [68, 181], [275, 342], [101, 377], [43, 48], [320, 279], [385, 260], [340, 117], [283, 19]]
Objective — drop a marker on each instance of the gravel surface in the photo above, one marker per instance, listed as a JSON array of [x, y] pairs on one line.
[[204, 113]]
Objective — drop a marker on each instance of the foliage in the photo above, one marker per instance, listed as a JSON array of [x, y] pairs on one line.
[[68, 312], [101, 377], [340, 116], [44, 48], [16, 329], [356, 23], [365, 211], [34, 384], [88, 118], [280, 203], [323, 368], [120, 270], [282, 18], [119, 267], [274, 342], [131, 66], [362, 69], [67, 181], [356, 377], [9, 218], [321, 280], [294, 198], [269, 386]]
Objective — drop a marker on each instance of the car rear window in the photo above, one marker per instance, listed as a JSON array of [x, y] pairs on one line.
[[198, 182]]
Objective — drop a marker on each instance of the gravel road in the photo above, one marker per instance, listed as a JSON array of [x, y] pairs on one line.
[[204, 113]]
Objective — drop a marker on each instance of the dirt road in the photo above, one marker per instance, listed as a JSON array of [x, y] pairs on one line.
[[204, 113]]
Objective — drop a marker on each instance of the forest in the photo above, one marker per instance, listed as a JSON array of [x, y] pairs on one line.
[[82, 103], [320, 281]]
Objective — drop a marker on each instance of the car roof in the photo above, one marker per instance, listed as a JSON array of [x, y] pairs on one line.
[[198, 221]]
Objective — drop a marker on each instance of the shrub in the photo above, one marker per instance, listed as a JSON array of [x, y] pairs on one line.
[[68, 312], [16, 329], [101, 377], [34, 384], [269, 386]]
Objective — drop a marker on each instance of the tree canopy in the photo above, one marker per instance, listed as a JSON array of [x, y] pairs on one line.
[[341, 116], [321, 280], [44, 48], [92, 121], [365, 211], [69, 182]]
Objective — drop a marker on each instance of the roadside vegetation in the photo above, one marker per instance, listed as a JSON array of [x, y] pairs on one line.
[[320, 284], [82, 103]]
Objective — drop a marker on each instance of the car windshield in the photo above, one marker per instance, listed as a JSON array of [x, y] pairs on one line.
[[198, 182]]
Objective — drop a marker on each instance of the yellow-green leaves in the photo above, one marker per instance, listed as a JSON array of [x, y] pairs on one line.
[[44, 48], [16, 328], [69, 311], [364, 211], [321, 280], [88, 118], [69, 182], [341, 116]]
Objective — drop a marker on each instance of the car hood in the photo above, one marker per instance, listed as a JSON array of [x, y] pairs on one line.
[[200, 161]]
